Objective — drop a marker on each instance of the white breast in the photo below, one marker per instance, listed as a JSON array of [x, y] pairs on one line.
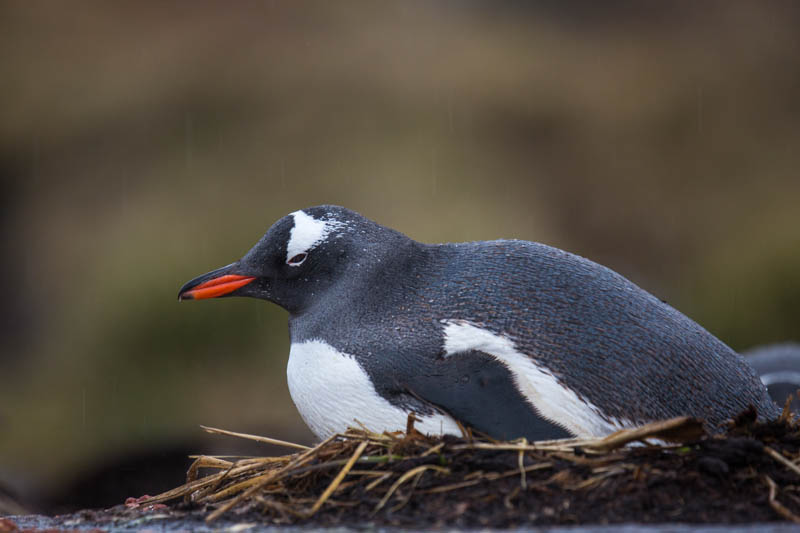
[[543, 391], [332, 391]]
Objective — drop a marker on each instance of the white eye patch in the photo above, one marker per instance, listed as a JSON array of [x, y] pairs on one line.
[[306, 233]]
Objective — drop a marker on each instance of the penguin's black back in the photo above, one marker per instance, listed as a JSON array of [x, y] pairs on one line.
[[618, 346], [612, 343]]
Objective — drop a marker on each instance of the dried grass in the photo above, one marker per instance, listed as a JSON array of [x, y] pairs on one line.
[[265, 481], [359, 475]]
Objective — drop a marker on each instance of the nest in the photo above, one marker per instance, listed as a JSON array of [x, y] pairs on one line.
[[677, 473]]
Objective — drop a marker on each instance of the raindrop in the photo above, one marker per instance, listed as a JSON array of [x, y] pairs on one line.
[[188, 134], [434, 171], [699, 109], [450, 113]]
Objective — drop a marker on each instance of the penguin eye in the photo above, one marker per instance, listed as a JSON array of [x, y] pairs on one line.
[[297, 260]]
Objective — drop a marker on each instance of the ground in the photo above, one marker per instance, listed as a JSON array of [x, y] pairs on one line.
[[747, 475]]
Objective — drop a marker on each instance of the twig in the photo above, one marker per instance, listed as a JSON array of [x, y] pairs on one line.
[[681, 428], [778, 506], [339, 477], [521, 460], [256, 438], [565, 446], [410, 493], [786, 414], [433, 449], [592, 481], [782, 460], [375, 483], [267, 478], [402, 480], [486, 477]]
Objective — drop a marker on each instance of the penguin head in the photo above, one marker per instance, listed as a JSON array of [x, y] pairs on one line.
[[299, 258]]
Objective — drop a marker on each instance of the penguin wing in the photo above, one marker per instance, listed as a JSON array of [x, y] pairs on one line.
[[479, 391]]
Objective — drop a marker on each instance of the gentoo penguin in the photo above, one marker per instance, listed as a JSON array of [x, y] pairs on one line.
[[511, 338]]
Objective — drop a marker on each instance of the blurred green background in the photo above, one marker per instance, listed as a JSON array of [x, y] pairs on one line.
[[144, 143]]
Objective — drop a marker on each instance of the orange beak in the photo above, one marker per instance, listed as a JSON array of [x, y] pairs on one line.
[[216, 287]]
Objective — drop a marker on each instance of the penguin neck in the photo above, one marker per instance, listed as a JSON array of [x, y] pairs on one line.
[[363, 289]]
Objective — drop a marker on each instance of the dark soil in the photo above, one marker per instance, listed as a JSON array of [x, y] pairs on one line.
[[721, 479]]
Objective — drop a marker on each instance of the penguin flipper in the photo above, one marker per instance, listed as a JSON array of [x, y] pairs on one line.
[[479, 391]]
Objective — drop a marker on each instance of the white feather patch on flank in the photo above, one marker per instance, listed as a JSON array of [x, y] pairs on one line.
[[551, 399], [307, 233], [332, 392]]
